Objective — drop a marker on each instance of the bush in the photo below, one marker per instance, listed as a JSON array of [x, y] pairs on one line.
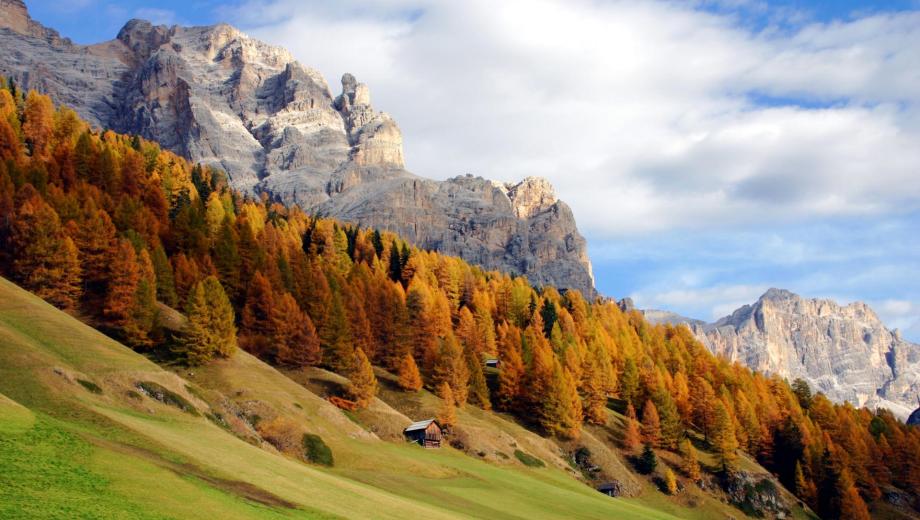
[[316, 451], [167, 396], [89, 385], [528, 460]]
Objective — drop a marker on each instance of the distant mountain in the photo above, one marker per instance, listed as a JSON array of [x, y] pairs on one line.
[[217, 96], [844, 351]]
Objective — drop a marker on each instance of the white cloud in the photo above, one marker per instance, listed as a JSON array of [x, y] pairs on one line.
[[720, 300], [639, 112], [157, 16]]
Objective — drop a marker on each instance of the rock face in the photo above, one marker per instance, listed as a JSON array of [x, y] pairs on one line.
[[216, 96], [844, 351]]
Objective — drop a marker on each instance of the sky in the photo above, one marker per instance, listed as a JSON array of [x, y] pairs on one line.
[[709, 149]]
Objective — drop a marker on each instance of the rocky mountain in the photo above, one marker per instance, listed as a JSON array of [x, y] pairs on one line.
[[219, 97], [844, 351]]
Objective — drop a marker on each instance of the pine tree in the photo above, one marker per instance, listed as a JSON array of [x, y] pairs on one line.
[[335, 338], [38, 121], [295, 341], [723, 438], [594, 395], [124, 276], [632, 437], [511, 368], [670, 482], [651, 424], [447, 414], [804, 488], [257, 321], [647, 461], [363, 383], [478, 390], [629, 381], [409, 378], [166, 284], [689, 464], [45, 259], [220, 318]]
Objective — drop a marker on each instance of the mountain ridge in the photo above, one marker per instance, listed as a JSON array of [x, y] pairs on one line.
[[844, 351], [214, 95]]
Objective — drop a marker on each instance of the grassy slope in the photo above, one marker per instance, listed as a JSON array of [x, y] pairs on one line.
[[68, 452]]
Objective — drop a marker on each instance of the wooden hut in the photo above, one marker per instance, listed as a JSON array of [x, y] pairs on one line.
[[427, 433], [491, 363], [611, 489]]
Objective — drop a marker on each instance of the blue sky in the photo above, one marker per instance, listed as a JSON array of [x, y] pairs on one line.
[[709, 149]]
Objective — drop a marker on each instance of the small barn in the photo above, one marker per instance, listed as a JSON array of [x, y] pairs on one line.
[[492, 363], [427, 433]]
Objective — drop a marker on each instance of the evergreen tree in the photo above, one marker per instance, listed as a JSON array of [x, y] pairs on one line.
[[363, 383], [632, 437], [257, 323], [220, 318], [670, 482], [124, 276], [447, 414], [651, 424], [409, 378], [196, 346], [296, 343], [478, 390], [45, 259], [690, 464], [723, 438], [511, 368], [166, 284], [647, 461], [335, 338]]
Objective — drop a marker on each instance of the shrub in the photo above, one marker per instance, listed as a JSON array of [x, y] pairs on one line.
[[316, 451], [167, 396], [89, 385], [281, 433], [528, 460]]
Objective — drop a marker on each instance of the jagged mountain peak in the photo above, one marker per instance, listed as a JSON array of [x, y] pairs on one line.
[[219, 97], [845, 351]]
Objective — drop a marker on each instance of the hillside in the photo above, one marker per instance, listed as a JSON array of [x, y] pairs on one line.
[[77, 438], [69, 449], [122, 234], [216, 96]]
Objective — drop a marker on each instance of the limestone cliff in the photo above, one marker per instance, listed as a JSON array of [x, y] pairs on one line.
[[844, 351], [219, 97]]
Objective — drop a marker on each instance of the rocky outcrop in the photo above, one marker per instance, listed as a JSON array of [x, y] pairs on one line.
[[844, 351], [219, 97]]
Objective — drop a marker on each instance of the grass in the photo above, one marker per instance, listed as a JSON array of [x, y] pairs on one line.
[[529, 460]]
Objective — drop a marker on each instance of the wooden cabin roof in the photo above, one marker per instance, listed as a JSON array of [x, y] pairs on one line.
[[420, 425]]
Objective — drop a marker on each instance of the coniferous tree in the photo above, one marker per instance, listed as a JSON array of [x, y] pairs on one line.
[[670, 482], [166, 284], [295, 341], [651, 424], [689, 462], [447, 414], [363, 383], [632, 437], [410, 379], [335, 338], [723, 438], [478, 393], [511, 368], [44, 259]]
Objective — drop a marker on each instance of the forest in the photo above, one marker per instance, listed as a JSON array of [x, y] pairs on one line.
[[118, 232]]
